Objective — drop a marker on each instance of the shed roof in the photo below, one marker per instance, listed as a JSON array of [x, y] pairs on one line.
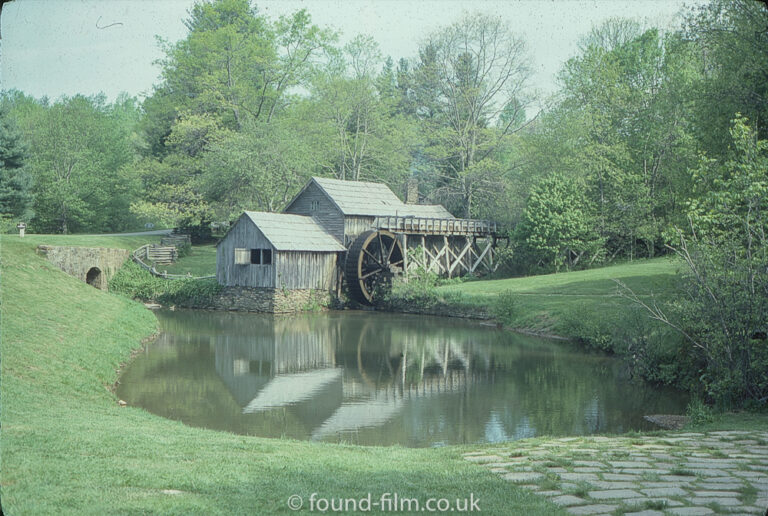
[[374, 199], [294, 232]]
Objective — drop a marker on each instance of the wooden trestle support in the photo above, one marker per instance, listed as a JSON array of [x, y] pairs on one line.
[[448, 247], [450, 256]]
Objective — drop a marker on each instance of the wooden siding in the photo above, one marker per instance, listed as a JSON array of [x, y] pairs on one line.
[[244, 234], [302, 269], [326, 214], [353, 226]]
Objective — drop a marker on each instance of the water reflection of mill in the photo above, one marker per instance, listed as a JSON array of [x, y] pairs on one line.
[[335, 379]]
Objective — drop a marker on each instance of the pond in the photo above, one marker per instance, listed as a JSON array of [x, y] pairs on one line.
[[381, 379]]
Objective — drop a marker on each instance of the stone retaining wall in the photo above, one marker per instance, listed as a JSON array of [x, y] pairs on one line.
[[269, 300], [94, 265]]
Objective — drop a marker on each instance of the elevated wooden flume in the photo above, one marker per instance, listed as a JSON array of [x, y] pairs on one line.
[[431, 226]]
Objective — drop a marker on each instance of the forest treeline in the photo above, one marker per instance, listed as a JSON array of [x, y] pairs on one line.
[[655, 142], [248, 108]]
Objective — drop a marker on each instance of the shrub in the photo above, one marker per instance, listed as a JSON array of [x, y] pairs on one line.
[[698, 412], [504, 307], [135, 282], [594, 330]]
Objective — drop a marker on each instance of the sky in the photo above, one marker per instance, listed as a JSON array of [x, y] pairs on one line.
[[64, 47]]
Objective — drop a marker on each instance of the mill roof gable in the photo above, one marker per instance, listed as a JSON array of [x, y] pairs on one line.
[[367, 199]]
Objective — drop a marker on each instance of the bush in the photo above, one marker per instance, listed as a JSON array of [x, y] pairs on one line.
[[594, 330], [135, 282], [183, 249], [418, 290], [504, 307], [698, 412]]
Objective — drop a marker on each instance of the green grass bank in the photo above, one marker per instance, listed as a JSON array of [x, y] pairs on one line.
[[68, 448], [551, 303], [199, 261]]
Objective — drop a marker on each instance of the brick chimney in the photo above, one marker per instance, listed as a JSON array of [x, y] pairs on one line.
[[412, 191]]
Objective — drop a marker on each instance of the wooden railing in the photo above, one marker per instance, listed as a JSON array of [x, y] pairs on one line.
[[430, 226], [146, 253]]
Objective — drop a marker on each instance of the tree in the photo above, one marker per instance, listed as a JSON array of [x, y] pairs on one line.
[[234, 65], [623, 123], [80, 148], [220, 67], [557, 228], [468, 75], [15, 182], [263, 166], [369, 140], [731, 37]]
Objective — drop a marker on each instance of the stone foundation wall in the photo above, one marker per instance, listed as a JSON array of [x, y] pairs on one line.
[[269, 300]]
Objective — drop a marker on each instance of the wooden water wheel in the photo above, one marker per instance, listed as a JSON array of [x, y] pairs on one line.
[[373, 259]]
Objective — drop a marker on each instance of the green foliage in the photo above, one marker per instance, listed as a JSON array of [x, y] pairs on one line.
[[556, 227], [505, 307], [621, 127], [720, 310], [698, 412], [183, 250], [366, 138], [189, 292], [261, 167], [723, 312], [467, 76], [594, 330], [135, 282], [419, 289], [80, 152], [730, 36], [15, 181]]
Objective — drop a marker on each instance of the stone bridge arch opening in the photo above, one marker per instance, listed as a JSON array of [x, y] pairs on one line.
[[95, 278]]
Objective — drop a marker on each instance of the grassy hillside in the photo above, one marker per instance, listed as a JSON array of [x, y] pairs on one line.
[[546, 303], [68, 448], [200, 261]]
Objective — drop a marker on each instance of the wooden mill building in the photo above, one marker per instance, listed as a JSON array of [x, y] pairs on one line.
[[355, 232]]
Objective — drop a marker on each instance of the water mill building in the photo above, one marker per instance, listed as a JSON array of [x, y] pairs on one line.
[[350, 234]]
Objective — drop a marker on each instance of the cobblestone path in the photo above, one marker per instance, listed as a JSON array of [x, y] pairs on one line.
[[677, 474]]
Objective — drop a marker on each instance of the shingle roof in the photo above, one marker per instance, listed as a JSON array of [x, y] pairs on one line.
[[373, 199], [294, 232], [431, 211]]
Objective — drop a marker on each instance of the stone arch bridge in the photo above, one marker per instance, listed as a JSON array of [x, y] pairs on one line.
[[93, 265]]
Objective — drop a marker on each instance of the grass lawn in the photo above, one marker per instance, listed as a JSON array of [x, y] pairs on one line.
[[68, 448], [200, 261], [542, 301]]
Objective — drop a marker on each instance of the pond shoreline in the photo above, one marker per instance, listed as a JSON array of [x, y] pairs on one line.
[[475, 313], [68, 444]]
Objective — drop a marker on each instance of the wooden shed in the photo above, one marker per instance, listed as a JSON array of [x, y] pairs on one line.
[[278, 250]]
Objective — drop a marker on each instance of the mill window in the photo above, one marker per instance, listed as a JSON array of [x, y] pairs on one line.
[[261, 256]]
